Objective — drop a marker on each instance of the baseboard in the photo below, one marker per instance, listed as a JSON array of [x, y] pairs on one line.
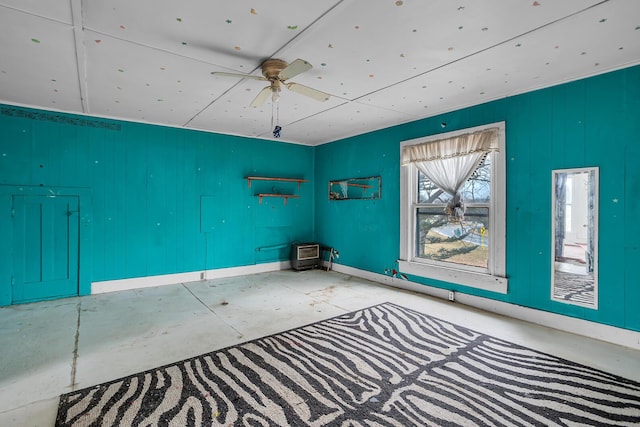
[[582, 327], [192, 276], [599, 331]]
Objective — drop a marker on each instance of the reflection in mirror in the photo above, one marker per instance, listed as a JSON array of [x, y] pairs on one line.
[[574, 276], [355, 188]]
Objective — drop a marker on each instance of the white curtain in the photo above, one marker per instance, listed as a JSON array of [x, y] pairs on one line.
[[449, 162]]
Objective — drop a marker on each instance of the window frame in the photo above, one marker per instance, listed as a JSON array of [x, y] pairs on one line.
[[494, 277]]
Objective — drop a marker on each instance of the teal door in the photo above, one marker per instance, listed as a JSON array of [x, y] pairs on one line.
[[45, 247]]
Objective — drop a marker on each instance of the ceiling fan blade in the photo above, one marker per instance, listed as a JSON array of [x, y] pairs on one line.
[[307, 91], [238, 75], [296, 67], [262, 96]]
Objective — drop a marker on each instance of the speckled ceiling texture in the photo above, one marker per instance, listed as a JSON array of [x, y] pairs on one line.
[[383, 62]]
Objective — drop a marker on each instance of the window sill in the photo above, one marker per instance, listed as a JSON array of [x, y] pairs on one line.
[[471, 279]]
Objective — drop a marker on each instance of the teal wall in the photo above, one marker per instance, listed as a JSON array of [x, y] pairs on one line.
[[159, 200], [155, 200], [591, 122]]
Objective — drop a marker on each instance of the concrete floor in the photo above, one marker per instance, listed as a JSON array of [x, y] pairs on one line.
[[53, 347]]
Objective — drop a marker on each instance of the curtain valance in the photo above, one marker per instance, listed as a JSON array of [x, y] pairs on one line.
[[481, 141], [449, 163]]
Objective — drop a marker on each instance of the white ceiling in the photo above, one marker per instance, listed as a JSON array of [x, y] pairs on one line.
[[384, 62]]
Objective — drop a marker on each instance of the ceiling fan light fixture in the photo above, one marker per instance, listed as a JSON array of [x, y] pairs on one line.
[[275, 94]]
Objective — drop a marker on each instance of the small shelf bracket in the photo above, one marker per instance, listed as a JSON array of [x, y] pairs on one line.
[[284, 196]]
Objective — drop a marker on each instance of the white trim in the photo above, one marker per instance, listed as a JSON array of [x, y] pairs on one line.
[[598, 331], [492, 279], [192, 276], [471, 279]]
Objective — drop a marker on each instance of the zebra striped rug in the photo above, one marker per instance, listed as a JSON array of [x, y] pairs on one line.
[[381, 366]]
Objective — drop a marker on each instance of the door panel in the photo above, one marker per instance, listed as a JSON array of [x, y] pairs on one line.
[[45, 247]]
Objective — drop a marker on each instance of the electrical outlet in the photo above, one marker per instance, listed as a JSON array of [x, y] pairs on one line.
[[452, 296]]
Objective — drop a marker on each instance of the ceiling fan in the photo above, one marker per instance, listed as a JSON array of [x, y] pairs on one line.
[[277, 72]]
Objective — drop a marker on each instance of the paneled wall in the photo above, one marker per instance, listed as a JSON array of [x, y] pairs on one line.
[[591, 122], [155, 200]]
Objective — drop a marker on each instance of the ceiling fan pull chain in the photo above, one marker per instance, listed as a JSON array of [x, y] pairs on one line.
[[277, 128]]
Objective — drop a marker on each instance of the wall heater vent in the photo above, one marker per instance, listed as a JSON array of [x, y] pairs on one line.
[[305, 256]]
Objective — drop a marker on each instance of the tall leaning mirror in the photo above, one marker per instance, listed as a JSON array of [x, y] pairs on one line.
[[574, 264]]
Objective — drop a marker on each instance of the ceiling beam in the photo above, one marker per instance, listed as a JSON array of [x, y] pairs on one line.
[[81, 63]]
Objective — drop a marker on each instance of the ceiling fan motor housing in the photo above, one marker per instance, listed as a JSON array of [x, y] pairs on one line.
[[271, 68], [277, 72]]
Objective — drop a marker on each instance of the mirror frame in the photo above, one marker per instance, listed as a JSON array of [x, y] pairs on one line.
[[593, 233], [375, 190]]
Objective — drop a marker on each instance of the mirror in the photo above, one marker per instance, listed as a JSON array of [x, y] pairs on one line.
[[355, 188], [574, 272]]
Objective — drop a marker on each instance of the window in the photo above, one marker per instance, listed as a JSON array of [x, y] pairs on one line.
[[453, 207]]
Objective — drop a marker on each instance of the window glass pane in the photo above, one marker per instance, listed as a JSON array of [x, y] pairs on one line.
[[465, 242], [477, 189], [428, 192]]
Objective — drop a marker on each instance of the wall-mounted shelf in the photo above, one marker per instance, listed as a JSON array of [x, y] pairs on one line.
[[264, 178], [364, 186], [284, 196]]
